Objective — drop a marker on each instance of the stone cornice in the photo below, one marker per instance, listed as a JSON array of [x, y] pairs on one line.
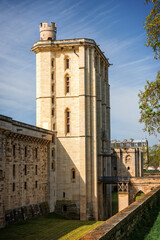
[[17, 136], [19, 130], [69, 44]]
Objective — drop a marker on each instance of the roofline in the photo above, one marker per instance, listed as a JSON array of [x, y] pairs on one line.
[[69, 42], [25, 125]]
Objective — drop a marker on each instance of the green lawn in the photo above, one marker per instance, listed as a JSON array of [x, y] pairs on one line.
[[149, 227], [50, 227], [151, 171], [139, 195]]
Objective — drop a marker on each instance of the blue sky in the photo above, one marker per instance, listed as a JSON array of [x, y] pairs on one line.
[[117, 26]]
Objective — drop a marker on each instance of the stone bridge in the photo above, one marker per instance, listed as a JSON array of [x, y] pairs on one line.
[[127, 191], [129, 187]]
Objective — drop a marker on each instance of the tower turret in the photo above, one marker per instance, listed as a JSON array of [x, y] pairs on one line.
[[48, 32]]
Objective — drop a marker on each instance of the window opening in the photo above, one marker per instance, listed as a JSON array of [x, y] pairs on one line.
[[36, 152], [52, 111], [53, 153], [67, 84], [64, 208], [52, 63], [53, 139], [67, 63], [73, 174], [52, 76], [14, 170], [13, 187], [25, 152], [36, 169], [25, 169], [68, 120], [53, 88], [14, 150]]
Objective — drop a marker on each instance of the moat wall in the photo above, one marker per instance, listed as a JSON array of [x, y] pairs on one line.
[[121, 225], [26, 212]]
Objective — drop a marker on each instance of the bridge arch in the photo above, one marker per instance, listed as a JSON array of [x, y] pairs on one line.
[[138, 195]]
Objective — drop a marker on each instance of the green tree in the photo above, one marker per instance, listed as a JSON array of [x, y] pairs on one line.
[[152, 26], [149, 101], [154, 156]]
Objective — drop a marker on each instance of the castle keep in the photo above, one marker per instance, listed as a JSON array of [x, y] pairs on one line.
[[64, 164], [72, 97], [59, 163]]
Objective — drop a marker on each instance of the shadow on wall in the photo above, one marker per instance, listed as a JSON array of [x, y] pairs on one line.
[[72, 191]]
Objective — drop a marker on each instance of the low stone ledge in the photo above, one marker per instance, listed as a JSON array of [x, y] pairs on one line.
[[26, 212], [122, 224]]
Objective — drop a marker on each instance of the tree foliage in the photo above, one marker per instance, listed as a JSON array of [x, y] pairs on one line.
[[154, 156], [152, 26], [149, 104]]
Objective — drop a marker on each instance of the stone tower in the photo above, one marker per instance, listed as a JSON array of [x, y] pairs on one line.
[[48, 32], [72, 97]]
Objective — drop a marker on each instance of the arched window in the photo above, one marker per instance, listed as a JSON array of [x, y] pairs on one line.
[[127, 159], [67, 120], [73, 174], [66, 63], [67, 84]]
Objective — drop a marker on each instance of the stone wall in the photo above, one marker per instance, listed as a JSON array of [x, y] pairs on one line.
[[68, 209], [25, 169], [26, 212], [121, 225]]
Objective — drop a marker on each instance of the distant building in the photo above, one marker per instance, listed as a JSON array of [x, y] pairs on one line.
[[128, 157]]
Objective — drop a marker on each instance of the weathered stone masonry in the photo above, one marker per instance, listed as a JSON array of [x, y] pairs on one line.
[[25, 169]]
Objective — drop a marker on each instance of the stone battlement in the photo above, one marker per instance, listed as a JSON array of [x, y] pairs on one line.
[[48, 32]]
